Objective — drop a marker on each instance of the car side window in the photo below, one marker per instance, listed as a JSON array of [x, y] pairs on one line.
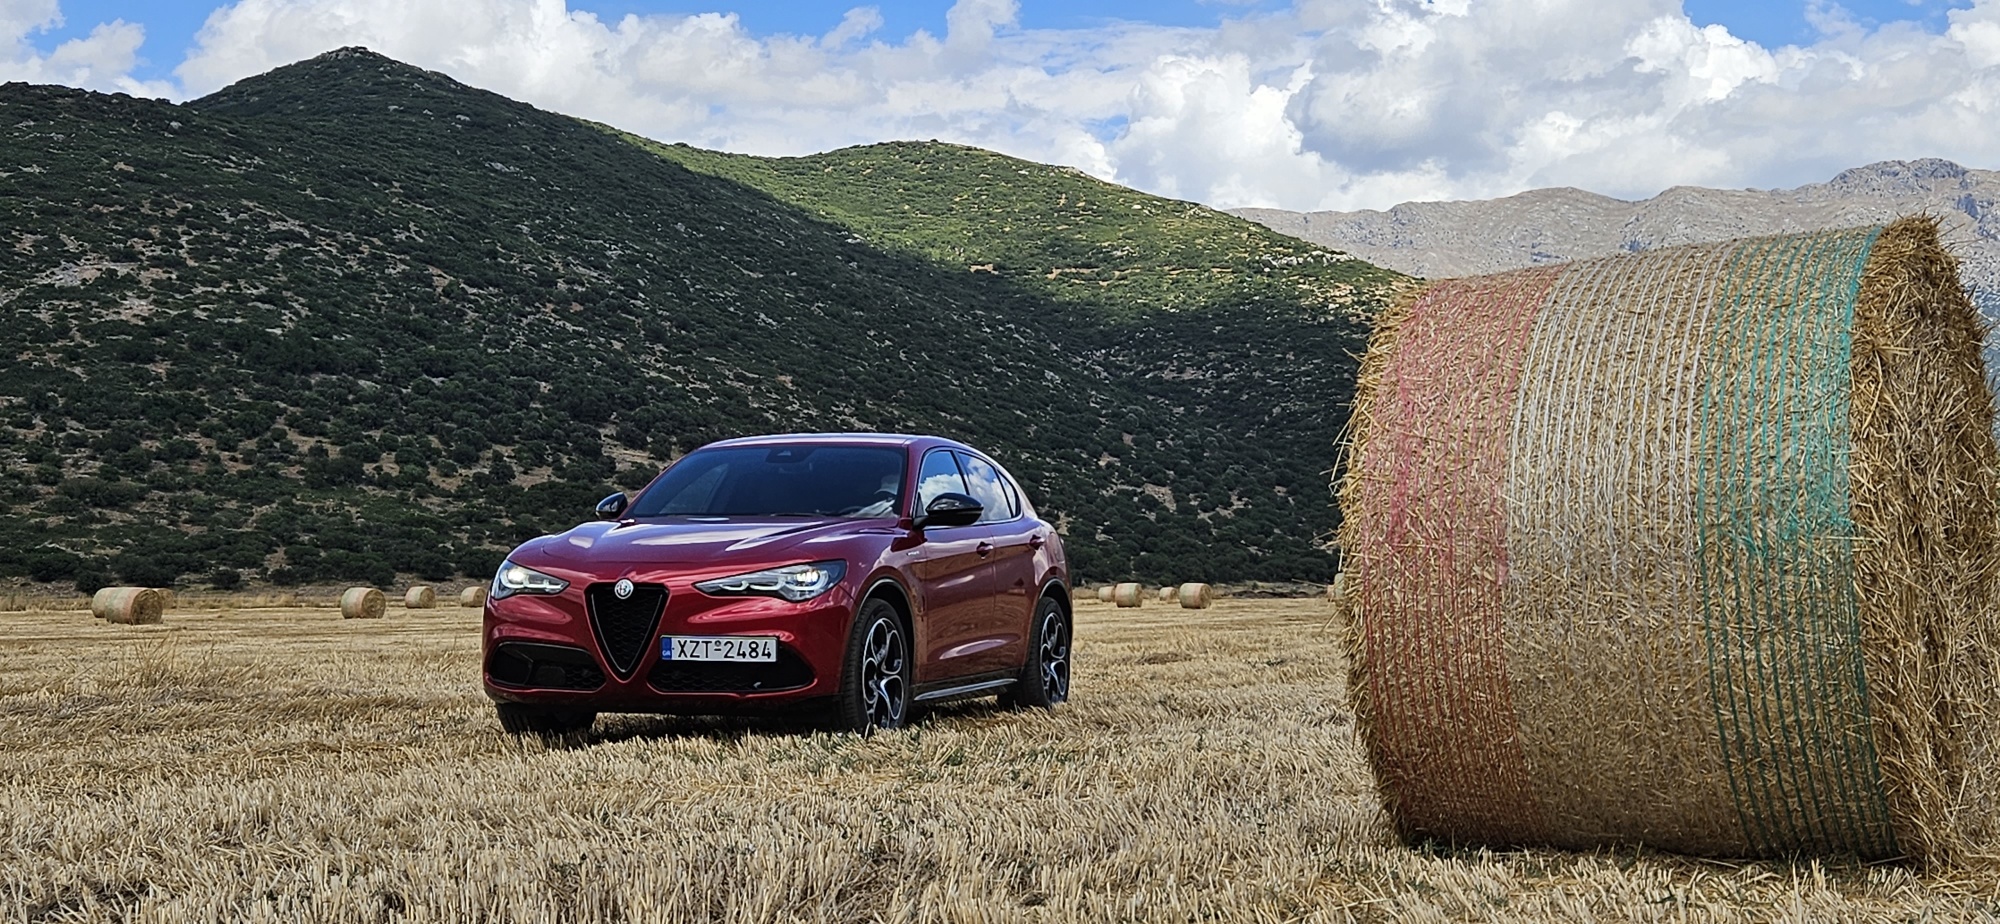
[[987, 488], [938, 475]]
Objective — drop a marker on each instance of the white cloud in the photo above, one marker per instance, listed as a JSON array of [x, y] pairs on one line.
[[1327, 104], [102, 60]]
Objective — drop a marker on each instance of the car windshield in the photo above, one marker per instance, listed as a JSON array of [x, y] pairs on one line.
[[779, 481]]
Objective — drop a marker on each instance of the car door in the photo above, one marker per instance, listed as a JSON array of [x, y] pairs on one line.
[[999, 640], [954, 585]]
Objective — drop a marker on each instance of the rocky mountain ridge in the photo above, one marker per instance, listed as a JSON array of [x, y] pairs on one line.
[[1457, 238]]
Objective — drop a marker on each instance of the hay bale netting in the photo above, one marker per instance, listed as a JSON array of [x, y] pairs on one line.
[[129, 606], [1104, 593], [420, 597], [1196, 596], [1687, 548], [472, 596], [1129, 595], [363, 603]]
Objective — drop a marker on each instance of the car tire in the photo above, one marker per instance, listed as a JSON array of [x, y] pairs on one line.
[[875, 675], [1044, 680], [520, 719]]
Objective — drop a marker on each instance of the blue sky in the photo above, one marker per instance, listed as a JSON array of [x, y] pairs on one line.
[[1300, 104], [171, 25]]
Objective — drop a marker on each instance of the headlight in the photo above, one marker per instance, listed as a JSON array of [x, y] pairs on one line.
[[516, 579], [792, 582]]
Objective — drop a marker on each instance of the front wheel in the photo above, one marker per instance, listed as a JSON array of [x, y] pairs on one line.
[[875, 677], [521, 719], [1044, 680]]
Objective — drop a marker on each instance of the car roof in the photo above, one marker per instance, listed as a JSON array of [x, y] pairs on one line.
[[839, 439]]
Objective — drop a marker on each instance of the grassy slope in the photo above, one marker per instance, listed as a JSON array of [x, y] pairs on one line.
[[351, 318], [1239, 341]]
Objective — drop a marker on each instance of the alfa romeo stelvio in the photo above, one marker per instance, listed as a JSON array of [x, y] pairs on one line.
[[855, 575]]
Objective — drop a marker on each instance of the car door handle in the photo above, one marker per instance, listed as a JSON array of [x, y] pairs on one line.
[[984, 549]]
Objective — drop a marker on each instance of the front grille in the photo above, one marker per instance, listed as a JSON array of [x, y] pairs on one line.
[[549, 667], [789, 672], [625, 628]]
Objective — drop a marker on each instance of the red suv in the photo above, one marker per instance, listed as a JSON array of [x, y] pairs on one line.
[[859, 573]]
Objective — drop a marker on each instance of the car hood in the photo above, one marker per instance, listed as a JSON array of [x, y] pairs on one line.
[[697, 541]]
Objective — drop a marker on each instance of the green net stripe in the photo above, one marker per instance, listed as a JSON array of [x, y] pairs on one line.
[[1776, 553]]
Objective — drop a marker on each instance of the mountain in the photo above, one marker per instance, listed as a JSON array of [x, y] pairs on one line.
[[1436, 239], [350, 320]]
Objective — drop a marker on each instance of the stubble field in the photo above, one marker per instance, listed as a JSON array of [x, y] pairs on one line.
[[279, 764]]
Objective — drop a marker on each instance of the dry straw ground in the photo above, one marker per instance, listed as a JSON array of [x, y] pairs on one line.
[[281, 764]]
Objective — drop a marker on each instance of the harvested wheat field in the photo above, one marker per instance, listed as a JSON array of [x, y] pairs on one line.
[[284, 764]]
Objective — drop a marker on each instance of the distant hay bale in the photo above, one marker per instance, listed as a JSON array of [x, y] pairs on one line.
[[167, 599], [1336, 592], [1104, 593], [472, 596], [1690, 548], [128, 606], [1128, 595], [420, 597], [1167, 594], [1196, 596], [363, 603]]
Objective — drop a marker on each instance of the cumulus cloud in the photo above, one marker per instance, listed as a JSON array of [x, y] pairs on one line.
[[102, 60], [1325, 104]]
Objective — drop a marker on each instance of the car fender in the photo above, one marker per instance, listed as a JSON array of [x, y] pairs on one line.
[[912, 606]]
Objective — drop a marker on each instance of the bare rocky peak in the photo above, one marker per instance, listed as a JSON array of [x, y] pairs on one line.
[[1436, 239]]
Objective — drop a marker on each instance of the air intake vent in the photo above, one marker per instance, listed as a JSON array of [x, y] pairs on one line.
[[550, 667], [625, 628]]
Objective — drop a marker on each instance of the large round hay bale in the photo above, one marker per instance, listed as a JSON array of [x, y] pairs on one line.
[[363, 603], [130, 606], [472, 596], [1167, 594], [1689, 548], [420, 597], [1104, 593], [1196, 596], [1128, 595]]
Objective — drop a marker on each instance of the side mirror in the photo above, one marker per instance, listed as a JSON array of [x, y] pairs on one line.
[[950, 509], [611, 508]]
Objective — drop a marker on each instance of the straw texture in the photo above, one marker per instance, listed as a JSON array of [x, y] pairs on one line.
[[129, 606], [363, 603], [1686, 548]]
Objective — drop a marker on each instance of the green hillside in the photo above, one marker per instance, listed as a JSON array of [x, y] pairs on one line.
[[351, 318]]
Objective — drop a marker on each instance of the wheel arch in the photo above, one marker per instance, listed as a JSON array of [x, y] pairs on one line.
[[1059, 591], [898, 596]]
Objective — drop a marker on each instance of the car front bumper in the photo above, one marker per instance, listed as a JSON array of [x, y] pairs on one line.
[[578, 650]]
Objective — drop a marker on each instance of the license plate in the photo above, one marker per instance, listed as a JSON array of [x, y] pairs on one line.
[[719, 648]]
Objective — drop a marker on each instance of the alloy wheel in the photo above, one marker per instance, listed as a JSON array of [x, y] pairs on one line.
[[883, 695]]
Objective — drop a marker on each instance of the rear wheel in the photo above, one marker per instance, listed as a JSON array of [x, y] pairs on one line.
[[1044, 679], [522, 719], [875, 677]]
